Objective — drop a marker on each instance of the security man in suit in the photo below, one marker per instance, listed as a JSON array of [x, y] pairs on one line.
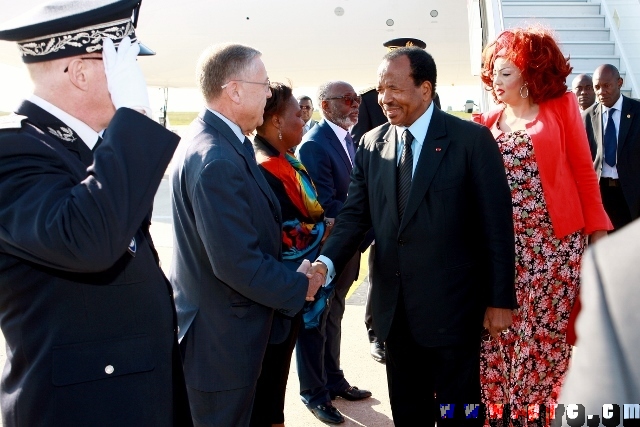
[[85, 309], [582, 87], [613, 130], [327, 152], [434, 190], [371, 115], [306, 108]]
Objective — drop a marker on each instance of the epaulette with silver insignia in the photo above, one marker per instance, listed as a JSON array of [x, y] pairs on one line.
[[11, 121]]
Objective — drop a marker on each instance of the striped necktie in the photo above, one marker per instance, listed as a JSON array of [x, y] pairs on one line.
[[404, 173]]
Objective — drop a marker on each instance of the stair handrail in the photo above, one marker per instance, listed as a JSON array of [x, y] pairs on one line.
[[635, 89], [492, 25]]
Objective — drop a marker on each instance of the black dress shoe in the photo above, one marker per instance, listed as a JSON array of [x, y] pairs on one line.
[[378, 352], [351, 393], [327, 413]]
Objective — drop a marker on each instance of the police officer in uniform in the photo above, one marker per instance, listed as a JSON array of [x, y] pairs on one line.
[[371, 115], [87, 314]]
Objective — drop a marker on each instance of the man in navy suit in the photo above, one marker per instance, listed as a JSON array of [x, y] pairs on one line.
[[434, 190], [613, 131], [327, 151], [85, 309], [227, 272]]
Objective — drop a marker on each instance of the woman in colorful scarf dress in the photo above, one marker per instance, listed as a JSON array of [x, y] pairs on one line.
[[302, 232]]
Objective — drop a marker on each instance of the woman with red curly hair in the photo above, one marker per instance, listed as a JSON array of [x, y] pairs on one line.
[[556, 203]]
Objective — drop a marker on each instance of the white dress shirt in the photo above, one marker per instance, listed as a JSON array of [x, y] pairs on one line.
[[419, 131], [342, 135], [234, 127]]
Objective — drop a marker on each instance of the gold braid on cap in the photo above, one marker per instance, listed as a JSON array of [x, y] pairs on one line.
[[409, 43], [88, 39]]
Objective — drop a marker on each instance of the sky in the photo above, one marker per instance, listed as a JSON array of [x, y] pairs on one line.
[[15, 86]]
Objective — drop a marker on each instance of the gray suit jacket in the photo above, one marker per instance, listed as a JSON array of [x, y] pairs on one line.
[[628, 162], [605, 365], [226, 269]]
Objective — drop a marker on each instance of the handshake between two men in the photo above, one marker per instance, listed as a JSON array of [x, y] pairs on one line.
[[315, 276]]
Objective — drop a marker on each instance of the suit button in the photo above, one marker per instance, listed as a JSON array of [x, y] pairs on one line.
[[277, 218], [401, 242], [109, 369], [397, 274]]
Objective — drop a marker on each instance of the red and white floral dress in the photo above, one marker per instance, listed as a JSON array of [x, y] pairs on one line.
[[527, 364]]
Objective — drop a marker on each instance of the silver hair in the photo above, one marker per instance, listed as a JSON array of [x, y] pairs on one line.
[[324, 91], [220, 63]]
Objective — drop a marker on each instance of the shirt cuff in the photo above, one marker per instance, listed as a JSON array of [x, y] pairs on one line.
[[331, 272]]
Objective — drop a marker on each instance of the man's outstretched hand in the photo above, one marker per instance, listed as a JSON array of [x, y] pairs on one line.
[[317, 275]]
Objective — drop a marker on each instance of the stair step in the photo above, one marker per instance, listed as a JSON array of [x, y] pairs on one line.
[[563, 1], [564, 34], [585, 62], [588, 48], [536, 8], [511, 21]]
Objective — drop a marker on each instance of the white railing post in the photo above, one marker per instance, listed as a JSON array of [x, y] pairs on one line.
[[629, 76]]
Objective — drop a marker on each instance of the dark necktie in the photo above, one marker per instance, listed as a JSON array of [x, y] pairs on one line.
[[610, 140], [98, 142], [349, 143], [249, 147], [404, 172]]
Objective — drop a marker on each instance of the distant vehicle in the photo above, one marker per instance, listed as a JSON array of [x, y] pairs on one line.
[[468, 106]]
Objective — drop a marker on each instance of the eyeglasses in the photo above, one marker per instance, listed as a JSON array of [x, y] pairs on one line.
[[348, 99], [267, 84], [306, 107], [89, 57]]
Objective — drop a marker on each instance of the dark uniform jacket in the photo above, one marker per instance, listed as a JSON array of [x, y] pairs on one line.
[[85, 309]]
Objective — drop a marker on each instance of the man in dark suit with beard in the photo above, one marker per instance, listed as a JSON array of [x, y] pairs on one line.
[[613, 130], [85, 309], [327, 151], [434, 190]]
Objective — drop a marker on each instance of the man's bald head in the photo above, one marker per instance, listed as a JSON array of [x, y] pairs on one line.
[[582, 87], [607, 83]]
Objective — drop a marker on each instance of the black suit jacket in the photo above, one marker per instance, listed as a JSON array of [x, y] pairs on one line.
[[628, 161], [226, 269], [89, 325], [453, 253]]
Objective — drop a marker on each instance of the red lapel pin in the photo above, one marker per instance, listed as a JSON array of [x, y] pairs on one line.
[[438, 149]]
